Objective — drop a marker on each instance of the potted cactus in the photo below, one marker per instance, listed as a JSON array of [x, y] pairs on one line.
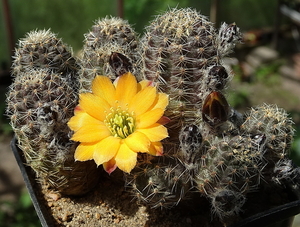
[[152, 111]]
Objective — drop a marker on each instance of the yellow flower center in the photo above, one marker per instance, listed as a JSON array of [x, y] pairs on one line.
[[120, 123]]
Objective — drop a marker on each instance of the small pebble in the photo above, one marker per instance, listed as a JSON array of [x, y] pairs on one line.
[[98, 216], [67, 217], [53, 196]]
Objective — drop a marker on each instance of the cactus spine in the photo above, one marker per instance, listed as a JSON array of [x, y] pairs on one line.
[[43, 50], [219, 152], [40, 102]]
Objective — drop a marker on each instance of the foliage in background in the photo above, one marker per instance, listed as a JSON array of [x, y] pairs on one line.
[[72, 18], [145, 9], [268, 74], [19, 214], [5, 128], [248, 14], [295, 152]]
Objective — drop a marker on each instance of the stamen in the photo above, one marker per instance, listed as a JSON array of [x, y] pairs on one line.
[[120, 123]]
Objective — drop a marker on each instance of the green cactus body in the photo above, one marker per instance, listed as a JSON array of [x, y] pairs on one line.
[[40, 102], [43, 50], [178, 46], [275, 125], [107, 35], [225, 154], [161, 184], [181, 53], [233, 165]]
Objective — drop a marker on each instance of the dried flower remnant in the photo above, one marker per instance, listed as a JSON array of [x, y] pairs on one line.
[[119, 63], [215, 109]]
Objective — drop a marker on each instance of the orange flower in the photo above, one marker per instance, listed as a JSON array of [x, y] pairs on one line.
[[116, 121]]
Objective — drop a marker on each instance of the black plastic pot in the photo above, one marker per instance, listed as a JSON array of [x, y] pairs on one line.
[[281, 216], [26, 172]]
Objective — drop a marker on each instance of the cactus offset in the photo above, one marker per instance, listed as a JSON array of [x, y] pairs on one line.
[[107, 35], [41, 49], [181, 53], [275, 125], [40, 101], [163, 183]]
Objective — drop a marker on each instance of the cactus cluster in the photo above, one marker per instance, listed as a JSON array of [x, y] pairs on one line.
[[183, 53], [40, 102], [212, 149]]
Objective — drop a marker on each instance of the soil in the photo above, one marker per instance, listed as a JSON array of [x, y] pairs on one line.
[[111, 205]]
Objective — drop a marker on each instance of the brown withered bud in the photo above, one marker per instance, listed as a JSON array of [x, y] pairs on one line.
[[190, 142], [215, 110], [229, 36], [119, 63], [218, 73]]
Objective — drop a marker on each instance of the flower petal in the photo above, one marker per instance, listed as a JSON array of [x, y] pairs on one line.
[[143, 84], [155, 133], [85, 151], [149, 118], [163, 120], [78, 109], [110, 166], [103, 87], [106, 149], [138, 142], [143, 100], [126, 88], [92, 131], [126, 158], [162, 100], [78, 120], [94, 105], [156, 148]]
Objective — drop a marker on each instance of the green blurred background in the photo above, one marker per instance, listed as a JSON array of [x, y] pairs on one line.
[[72, 18]]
